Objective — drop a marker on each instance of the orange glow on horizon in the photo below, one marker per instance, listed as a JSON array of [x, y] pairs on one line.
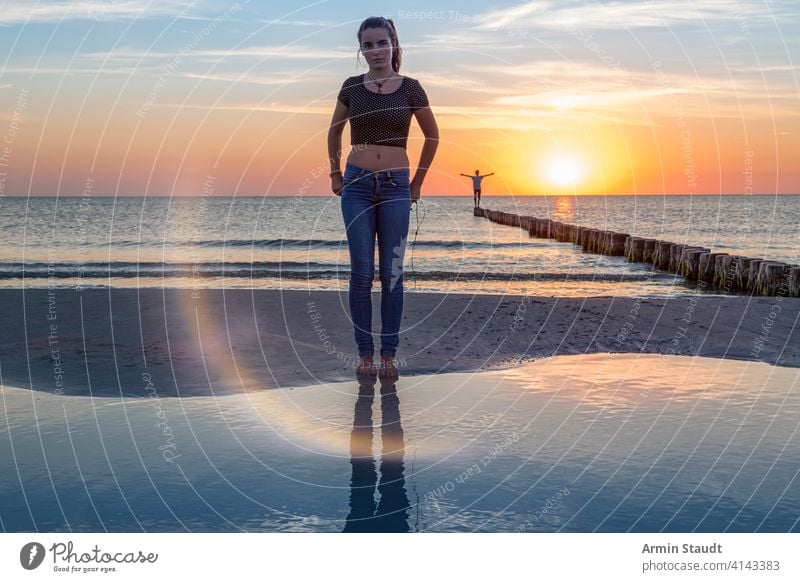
[[250, 152]]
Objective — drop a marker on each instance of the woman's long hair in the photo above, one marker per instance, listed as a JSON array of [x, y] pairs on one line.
[[381, 22]]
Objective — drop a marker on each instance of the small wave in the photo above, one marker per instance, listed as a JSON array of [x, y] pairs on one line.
[[66, 266], [296, 244], [127, 270]]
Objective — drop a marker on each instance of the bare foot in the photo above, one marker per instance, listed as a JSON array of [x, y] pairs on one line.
[[387, 368], [366, 367]]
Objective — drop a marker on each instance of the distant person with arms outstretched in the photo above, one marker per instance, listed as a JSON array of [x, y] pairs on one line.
[[476, 186]]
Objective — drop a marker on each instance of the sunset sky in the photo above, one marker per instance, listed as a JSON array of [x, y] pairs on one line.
[[159, 98]]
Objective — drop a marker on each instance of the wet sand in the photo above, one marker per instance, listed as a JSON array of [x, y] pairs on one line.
[[208, 342]]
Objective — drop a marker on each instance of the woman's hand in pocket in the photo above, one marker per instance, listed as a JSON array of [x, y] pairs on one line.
[[336, 184]]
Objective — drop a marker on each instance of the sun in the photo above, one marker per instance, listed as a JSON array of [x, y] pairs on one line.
[[564, 171]]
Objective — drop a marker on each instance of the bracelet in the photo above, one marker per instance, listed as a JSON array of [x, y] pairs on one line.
[[334, 172]]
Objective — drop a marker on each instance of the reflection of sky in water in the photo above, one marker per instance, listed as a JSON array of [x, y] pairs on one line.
[[571, 443]]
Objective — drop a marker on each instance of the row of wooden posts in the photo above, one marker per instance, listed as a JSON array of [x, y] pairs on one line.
[[732, 273]]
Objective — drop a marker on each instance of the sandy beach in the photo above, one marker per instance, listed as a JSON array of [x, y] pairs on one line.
[[207, 342]]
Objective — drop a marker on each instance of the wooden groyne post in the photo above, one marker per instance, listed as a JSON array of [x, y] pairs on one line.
[[724, 271]]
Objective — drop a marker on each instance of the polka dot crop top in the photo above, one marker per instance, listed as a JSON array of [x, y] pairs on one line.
[[381, 118]]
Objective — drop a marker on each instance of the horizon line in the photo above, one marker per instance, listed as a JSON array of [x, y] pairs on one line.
[[201, 196]]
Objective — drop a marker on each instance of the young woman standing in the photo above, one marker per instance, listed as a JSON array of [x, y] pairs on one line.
[[376, 189]]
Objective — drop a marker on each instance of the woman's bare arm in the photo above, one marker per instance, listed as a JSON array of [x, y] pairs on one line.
[[427, 123], [338, 122]]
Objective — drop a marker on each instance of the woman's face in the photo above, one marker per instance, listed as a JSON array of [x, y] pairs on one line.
[[376, 46]]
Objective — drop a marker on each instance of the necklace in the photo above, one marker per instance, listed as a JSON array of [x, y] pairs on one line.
[[380, 83]]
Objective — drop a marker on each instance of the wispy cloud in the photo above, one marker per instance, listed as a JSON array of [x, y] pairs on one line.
[[516, 118], [624, 15], [234, 78], [769, 69], [271, 107], [459, 82], [465, 40], [553, 95], [18, 12], [273, 79], [289, 22], [278, 51], [112, 69], [581, 87], [450, 117]]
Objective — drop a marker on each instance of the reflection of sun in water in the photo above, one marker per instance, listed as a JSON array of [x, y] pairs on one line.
[[564, 171], [564, 209]]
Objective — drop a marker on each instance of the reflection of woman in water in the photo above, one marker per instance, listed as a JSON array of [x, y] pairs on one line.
[[391, 512], [476, 185], [375, 189]]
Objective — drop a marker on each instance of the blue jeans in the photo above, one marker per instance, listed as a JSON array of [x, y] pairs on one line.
[[376, 204]]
